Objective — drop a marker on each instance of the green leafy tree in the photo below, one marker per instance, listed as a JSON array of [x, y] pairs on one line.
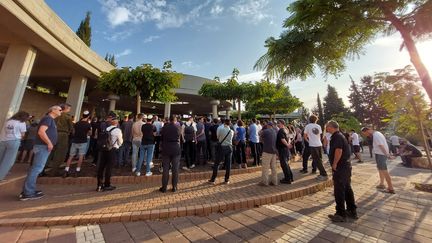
[[111, 59], [271, 99], [84, 30], [356, 99], [374, 112], [144, 82], [318, 110], [347, 122], [325, 33], [333, 104], [230, 90]]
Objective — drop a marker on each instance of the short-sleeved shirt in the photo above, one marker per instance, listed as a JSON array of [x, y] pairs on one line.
[[51, 132], [338, 141], [81, 129], [281, 134], [379, 139], [158, 126], [225, 135], [148, 136], [355, 139], [394, 140], [253, 133], [313, 132], [200, 128], [241, 134], [170, 139], [269, 140], [213, 131], [415, 152], [13, 130]]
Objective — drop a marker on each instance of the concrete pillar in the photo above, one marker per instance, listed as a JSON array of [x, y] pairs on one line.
[[14, 75], [215, 104], [167, 110], [75, 96], [112, 98]]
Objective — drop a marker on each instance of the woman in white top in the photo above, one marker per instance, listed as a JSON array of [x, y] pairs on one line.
[[10, 139]]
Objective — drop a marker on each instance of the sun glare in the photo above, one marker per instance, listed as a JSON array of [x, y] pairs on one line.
[[425, 50]]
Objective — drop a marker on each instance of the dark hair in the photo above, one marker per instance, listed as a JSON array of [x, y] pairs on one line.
[[131, 116], [253, 120], [227, 121], [215, 120], [172, 118], [64, 105], [21, 116], [281, 122], [313, 118], [364, 129], [240, 123]]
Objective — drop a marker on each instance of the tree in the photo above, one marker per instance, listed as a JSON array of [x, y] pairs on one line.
[[319, 111], [84, 30], [325, 33], [405, 103], [230, 90], [271, 99], [374, 112], [356, 99], [333, 105], [144, 82], [347, 122], [111, 59]]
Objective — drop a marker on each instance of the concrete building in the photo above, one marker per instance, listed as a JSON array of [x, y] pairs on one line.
[[43, 62]]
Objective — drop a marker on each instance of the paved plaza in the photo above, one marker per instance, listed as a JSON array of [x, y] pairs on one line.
[[402, 217]]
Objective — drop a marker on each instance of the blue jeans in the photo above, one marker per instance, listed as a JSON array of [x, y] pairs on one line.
[[8, 152], [137, 147], [148, 150], [124, 153], [41, 154]]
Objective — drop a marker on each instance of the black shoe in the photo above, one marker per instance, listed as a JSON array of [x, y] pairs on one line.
[[43, 174], [174, 189], [99, 188], [36, 192], [65, 174], [336, 218], [313, 172], [303, 171], [109, 188], [77, 174], [351, 214], [31, 197], [360, 162], [162, 189], [283, 181]]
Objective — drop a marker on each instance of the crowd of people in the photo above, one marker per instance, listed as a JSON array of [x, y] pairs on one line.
[[221, 144]]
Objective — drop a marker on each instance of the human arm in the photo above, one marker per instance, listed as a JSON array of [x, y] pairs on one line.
[[44, 137], [336, 159]]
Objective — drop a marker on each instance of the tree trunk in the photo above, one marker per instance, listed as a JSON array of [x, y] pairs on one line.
[[417, 111], [138, 103], [239, 109], [412, 50]]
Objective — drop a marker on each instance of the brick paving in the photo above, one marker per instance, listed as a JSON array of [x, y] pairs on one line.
[[403, 217]]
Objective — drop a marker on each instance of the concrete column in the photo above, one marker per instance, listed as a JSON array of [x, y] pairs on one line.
[[14, 75], [75, 96], [112, 98], [167, 110], [215, 104]]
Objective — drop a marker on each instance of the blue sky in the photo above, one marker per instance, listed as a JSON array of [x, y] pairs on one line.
[[209, 38]]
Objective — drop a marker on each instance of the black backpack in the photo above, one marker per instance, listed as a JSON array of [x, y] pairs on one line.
[[189, 133], [104, 141]]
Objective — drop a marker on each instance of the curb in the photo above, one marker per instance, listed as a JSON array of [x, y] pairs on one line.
[[192, 176], [194, 210]]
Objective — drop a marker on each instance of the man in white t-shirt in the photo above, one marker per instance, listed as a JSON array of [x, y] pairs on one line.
[[381, 151], [394, 140], [312, 134], [356, 145]]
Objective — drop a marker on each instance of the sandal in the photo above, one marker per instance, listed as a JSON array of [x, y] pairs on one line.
[[380, 187], [390, 191]]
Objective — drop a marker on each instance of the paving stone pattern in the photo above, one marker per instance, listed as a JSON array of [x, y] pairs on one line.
[[403, 217]]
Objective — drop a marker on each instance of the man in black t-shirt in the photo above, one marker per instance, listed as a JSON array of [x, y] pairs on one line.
[[407, 152], [339, 156], [213, 138], [81, 131], [283, 145], [148, 142]]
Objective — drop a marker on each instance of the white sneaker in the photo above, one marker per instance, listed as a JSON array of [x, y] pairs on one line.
[[160, 170], [138, 173], [192, 166], [151, 164], [149, 173], [170, 172], [133, 170], [184, 168]]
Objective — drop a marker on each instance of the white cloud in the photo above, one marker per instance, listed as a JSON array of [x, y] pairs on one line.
[[164, 14], [118, 16], [190, 65], [118, 36], [124, 53], [216, 10], [151, 38], [251, 10]]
